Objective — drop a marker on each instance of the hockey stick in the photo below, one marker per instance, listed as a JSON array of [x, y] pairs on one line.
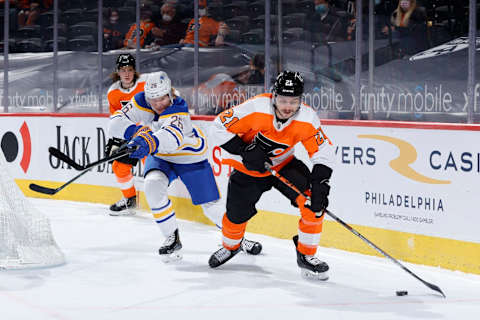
[[63, 157], [69, 161], [355, 232], [52, 191]]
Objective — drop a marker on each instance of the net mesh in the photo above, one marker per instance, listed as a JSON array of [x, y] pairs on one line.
[[26, 238]]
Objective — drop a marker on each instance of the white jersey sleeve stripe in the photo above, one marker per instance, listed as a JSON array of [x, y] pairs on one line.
[[115, 116]]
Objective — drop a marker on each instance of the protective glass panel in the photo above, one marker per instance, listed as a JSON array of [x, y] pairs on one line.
[[476, 91], [315, 38], [422, 76], [30, 87], [231, 60]]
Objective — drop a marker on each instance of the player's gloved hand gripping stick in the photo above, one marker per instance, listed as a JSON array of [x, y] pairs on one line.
[[355, 232], [133, 147], [144, 142], [122, 151]]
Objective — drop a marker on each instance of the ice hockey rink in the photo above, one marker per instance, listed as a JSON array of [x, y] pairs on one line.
[[114, 272]]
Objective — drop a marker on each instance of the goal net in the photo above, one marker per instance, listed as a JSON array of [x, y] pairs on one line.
[[26, 239]]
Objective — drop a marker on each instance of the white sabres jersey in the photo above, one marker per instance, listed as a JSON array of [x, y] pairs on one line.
[[179, 140]]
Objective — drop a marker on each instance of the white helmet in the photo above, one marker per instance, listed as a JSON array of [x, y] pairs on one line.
[[157, 85]]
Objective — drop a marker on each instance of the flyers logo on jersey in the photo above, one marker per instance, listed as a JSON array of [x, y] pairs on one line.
[[272, 148]]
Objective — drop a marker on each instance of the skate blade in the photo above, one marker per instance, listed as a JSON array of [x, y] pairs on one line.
[[123, 213], [310, 275], [172, 257]]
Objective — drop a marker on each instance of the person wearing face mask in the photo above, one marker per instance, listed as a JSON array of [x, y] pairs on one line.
[[325, 24], [408, 24], [113, 32], [146, 26], [321, 7], [209, 28], [169, 30], [406, 14]]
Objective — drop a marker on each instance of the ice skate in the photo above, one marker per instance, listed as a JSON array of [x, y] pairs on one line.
[[170, 250], [311, 267], [124, 207], [221, 256], [251, 247]]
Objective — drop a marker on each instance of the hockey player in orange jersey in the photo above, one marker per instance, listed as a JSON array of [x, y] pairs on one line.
[[263, 130], [126, 83]]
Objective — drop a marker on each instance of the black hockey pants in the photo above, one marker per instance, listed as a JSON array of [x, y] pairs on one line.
[[244, 191]]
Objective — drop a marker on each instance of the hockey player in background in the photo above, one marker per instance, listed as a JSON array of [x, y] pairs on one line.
[[126, 83], [175, 148], [264, 130]]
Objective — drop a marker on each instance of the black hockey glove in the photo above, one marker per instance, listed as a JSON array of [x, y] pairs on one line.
[[320, 187], [254, 158], [112, 146]]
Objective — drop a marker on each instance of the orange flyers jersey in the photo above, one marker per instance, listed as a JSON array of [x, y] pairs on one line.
[[208, 27], [254, 119], [145, 28], [118, 97]]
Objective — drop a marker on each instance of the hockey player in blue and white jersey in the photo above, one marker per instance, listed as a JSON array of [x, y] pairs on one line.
[[175, 148]]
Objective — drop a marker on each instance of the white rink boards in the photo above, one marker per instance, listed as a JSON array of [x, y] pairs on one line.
[[408, 187]]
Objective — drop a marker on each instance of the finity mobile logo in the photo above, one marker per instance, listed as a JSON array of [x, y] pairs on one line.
[[10, 148], [407, 156]]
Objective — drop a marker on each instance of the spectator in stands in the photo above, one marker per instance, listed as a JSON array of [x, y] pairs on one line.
[[209, 28], [222, 91], [408, 24], [146, 25], [326, 24], [256, 73], [407, 15], [218, 93], [113, 32], [30, 11], [169, 30]]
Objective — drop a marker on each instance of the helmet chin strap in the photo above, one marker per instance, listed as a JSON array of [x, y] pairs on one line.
[[275, 110]]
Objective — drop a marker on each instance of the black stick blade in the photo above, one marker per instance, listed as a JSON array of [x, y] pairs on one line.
[[62, 156], [435, 288], [44, 190]]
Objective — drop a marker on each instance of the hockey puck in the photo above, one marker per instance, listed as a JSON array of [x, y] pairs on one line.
[[402, 293]]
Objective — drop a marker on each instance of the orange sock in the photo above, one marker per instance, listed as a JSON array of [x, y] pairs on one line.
[[310, 228], [124, 175], [232, 233]]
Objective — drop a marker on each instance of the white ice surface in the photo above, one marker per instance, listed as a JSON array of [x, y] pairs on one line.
[[113, 272]]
